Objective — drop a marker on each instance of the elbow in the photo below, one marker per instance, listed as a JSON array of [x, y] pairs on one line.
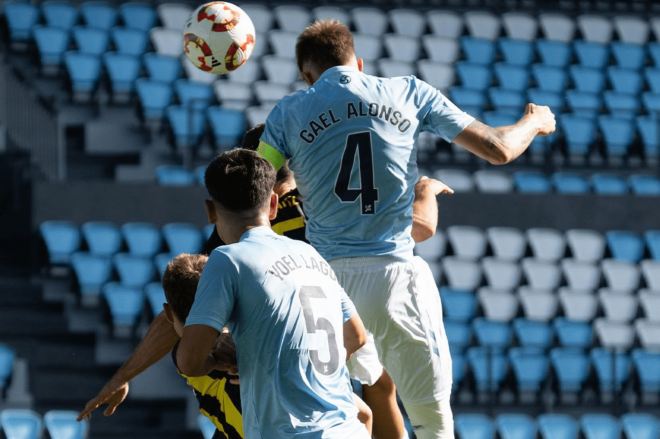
[[501, 156], [422, 233], [362, 339]]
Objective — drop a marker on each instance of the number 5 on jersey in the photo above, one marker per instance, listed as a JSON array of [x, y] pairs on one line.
[[367, 192]]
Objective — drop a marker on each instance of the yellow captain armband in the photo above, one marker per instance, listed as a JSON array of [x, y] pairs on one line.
[[271, 154]]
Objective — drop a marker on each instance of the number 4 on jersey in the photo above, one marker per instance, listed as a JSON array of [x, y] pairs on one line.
[[368, 193]]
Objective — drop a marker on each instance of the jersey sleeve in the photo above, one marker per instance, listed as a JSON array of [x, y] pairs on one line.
[[347, 307], [273, 145], [438, 114], [216, 293]]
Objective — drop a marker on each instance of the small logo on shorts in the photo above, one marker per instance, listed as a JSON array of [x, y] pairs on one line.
[[345, 79]]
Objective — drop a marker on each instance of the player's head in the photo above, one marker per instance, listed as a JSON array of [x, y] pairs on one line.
[[180, 284], [251, 142], [322, 45]]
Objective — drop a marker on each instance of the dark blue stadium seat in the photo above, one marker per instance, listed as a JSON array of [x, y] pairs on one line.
[[618, 135], [21, 424], [609, 184], [460, 306], [21, 18], [584, 104], [608, 369], [459, 334], [625, 245], [570, 183], [549, 78], [625, 80], [621, 104], [571, 367], [654, 51], [587, 79], [558, 426], [516, 52], [103, 238], [143, 239], [7, 357], [572, 334], [474, 76], [648, 129], [51, 42], [647, 366], [591, 53], [91, 40], [162, 68], [478, 50], [123, 71], [227, 125], [129, 41], [161, 260], [651, 103], [516, 426], [155, 296], [188, 125], [61, 14], [62, 239], [62, 424], [530, 367], [600, 426], [154, 97], [553, 53], [644, 184], [136, 15], [579, 133], [207, 229], [125, 303], [531, 182], [629, 55], [652, 76], [552, 99], [182, 238], [99, 14], [92, 272], [468, 100], [134, 271], [652, 238], [174, 175], [458, 369], [532, 334], [512, 77], [491, 333], [84, 71], [474, 426], [488, 367], [507, 101], [193, 93], [498, 119], [640, 426]]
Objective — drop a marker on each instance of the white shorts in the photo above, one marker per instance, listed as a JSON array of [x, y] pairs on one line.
[[432, 421], [399, 304], [364, 365]]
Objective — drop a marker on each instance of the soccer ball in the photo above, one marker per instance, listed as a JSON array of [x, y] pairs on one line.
[[218, 37]]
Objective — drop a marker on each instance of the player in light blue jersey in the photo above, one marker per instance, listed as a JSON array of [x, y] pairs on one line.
[[283, 306], [350, 140]]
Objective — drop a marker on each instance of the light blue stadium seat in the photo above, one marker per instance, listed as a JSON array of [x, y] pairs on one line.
[[512, 77], [129, 41], [549, 78], [143, 239], [155, 97], [137, 15], [516, 426], [600, 426], [654, 51], [51, 42], [651, 103], [551, 99], [507, 101], [155, 296], [92, 272], [530, 367], [474, 76], [21, 424], [488, 367], [182, 238], [584, 104], [558, 426], [652, 238], [570, 183], [91, 40], [531, 182], [516, 52], [206, 426], [458, 369], [640, 426], [478, 50], [60, 14], [647, 127], [610, 371], [469, 100], [498, 119], [625, 245], [161, 260], [84, 71], [647, 366], [474, 426], [21, 18], [491, 333], [99, 14], [652, 76], [227, 125], [193, 93], [591, 54], [62, 239], [7, 357], [125, 305], [553, 53], [162, 68], [103, 238], [571, 367], [579, 133], [62, 424], [622, 105], [625, 80], [628, 55], [609, 184], [188, 126], [532, 334], [134, 271], [587, 79], [572, 334], [644, 184], [460, 306], [123, 71], [459, 334]]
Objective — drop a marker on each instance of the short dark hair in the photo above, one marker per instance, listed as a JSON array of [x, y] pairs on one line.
[[240, 180], [251, 142], [326, 44], [180, 283]]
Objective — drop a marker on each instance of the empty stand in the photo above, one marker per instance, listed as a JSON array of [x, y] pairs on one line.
[[62, 424]]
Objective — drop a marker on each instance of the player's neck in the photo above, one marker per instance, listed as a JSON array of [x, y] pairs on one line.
[[234, 228], [286, 186]]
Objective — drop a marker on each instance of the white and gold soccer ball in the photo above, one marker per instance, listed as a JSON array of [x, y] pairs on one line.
[[218, 37]]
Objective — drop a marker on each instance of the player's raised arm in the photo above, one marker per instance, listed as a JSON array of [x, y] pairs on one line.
[[502, 145], [193, 357], [425, 207]]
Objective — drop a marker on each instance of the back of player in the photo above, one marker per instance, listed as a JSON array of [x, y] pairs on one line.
[[285, 310]]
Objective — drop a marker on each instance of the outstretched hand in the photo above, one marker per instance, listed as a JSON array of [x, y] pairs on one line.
[[436, 186], [112, 394], [544, 117]]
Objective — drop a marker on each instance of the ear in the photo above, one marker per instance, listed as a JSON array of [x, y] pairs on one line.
[[168, 313], [272, 212], [360, 64], [211, 213]]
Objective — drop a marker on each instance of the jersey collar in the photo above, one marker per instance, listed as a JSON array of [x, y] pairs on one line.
[[337, 69], [261, 230]]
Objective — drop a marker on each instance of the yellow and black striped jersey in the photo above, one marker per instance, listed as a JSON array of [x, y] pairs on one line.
[[290, 220]]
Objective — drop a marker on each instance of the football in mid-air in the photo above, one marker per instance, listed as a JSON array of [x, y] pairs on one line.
[[218, 37]]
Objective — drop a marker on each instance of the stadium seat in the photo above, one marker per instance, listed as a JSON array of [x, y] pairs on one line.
[[155, 296], [507, 101], [549, 78], [482, 24], [257, 114], [60, 14], [621, 105], [208, 229], [537, 305], [533, 334], [520, 26], [174, 175], [432, 249], [391, 68], [647, 185], [410, 22], [552, 99], [469, 100], [531, 182], [370, 47], [591, 54], [651, 103], [154, 97], [501, 274], [161, 260], [498, 305], [586, 245], [261, 16], [474, 426], [647, 127], [573, 334], [84, 72], [467, 242], [283, 43], [648, 333], [570, 183], [530, 368], [228, 126], [609, 184], [134, 271], [578, 305], [445, 23], [600, 426], [516, 426], [652, 77], [21, 424], [458, 369], [571, 367], [136, 15], [461, 274], [62, 424], [458, 305], [233, 95], [7, 357], [439, 49], [125, 303], [624, 80], [511, 77], [458, 180], [647, 366], [613, 334], [546, 244], [207, 427], [612, 370], [166, 41], [331, 12], [631, 28], [292, 18], [508, 243], [553, 53], [579, 133], [62, 239], [21, 17], [488, 181], [439, 75], [625, 245], [650, 303], [129, 41], [558, 426], [458, 334], [51, 42], [372, 21], [595, 28], [628, 55], [580, 275], [195, 94], [188, 124], [640, 426], [143, 239], [587, 79], [516, 52], [621, 275], [123, 71], [162, 68], [497, 119], [279, 70], [182, 238], [541, 275], [652, 238], [174, 15], [490, 333], [473, 76], [488, 367], [586, 105], [478, 50], [99, 14], [103, 238]]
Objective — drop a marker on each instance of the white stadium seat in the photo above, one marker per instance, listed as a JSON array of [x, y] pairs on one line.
[[292, 18], [651, 273], [586, 245], [468, 242], [261, 16], [371, 21], [539, 305], [441, 49], [166, 41], [581, 275], [391, 68], [618, 307], [557, 27], [432, 249], [268, 93], [283, 43], [407, 22], [508, 243], [331, 12], [174, 16], [493, 182], [501, 274], [457, 179], [280, 70], [648, 333], [595, 28], [650, 304], [520, 26], [547, 244], [614, 335], [621, 275], [631, 29], [368, 47], [233, 95], [402, 47], [578, 305], [445, 23], [438, 75], [498, 305], [461, 274], [541, 274], [483, 24]]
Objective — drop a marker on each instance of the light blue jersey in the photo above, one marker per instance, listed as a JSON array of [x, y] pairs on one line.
[[285, 311], [350, 139]]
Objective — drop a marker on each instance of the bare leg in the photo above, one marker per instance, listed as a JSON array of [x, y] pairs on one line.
[[364, 413], [381, 398]]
